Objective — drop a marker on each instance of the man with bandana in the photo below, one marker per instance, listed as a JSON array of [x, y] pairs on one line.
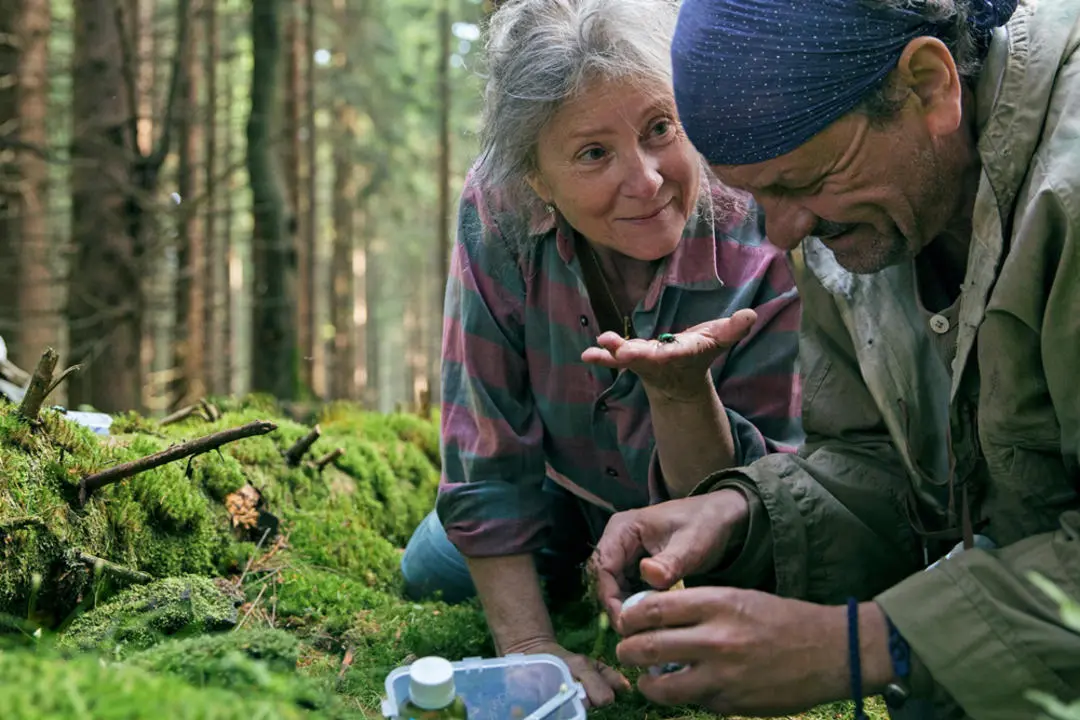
[[920, 160]]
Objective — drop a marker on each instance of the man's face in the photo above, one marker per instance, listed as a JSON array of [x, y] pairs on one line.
[[875, 193]]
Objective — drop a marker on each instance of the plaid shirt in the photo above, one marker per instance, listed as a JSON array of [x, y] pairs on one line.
[[519, 405]]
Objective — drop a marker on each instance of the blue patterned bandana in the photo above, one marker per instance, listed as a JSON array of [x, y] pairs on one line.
[[755, 79]]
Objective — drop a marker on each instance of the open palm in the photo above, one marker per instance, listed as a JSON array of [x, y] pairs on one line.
[[674, 368]]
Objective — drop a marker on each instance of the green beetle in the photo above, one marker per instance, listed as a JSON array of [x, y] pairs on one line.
[[666, 338]]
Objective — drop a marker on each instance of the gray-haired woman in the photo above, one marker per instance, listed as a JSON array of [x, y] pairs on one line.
[[585, 370]]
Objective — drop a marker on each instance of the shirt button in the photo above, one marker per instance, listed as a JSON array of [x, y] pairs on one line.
[[584, 321], [939, 324], [602, 406], [612, 472]]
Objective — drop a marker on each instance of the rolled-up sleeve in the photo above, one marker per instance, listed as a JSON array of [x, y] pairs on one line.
[[490, 499]]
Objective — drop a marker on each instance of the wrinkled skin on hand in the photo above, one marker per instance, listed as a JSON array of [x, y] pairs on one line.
[[665, 543], [746, 652], [677, 368], [601, 682]]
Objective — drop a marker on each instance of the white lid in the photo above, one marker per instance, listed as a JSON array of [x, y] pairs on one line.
[[635, 599], [431, 683]]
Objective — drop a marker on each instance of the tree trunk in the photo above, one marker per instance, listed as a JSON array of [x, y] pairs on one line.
[[105, 302], [433, 331], [215, 337], [317, 349], [293, 160], [39, 320], [373, 262], [190, 290], [274, 347], [235, 316], [9, 170], [360, 306], [343, 302]]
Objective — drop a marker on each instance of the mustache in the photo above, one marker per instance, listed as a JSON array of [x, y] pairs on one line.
[[826, 229]]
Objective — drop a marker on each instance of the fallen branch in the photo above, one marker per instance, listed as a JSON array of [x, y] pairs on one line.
[[329, 458], [184, 412], [296, 453], [211, 412], [40, 385], [91, 483], [136, 576]]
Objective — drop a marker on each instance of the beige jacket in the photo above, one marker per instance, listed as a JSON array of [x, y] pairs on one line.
[[894, 437]]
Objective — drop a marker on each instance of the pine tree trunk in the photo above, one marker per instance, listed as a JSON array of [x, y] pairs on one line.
[[317, 348], [9, 171], [343, 357], [216, 268], [105, 303], [292, 156], [433, 330], [190, 290], [38, 312], [274, 354]]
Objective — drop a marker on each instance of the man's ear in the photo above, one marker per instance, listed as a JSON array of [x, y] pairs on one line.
[[539, 186], [928, 70]]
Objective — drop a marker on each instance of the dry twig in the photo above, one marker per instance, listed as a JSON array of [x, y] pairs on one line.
[[137, 576], [328, 458], [295, 454], [91, 483]]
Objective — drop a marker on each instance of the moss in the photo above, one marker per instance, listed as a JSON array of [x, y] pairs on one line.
[[39, 687], [141, 616]]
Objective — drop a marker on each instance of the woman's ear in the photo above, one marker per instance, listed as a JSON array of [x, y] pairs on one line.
[[539, 187]]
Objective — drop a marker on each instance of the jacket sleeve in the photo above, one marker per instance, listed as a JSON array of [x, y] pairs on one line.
[[978, 615], [828, 522], [490, 500]]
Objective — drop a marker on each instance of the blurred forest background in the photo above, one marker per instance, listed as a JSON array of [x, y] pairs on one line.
[[225, 196]]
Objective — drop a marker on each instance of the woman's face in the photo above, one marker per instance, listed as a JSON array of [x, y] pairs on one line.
[[616, 164]]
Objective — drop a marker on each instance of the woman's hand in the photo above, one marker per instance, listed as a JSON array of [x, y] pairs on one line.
[[600, 681], [673, 368]]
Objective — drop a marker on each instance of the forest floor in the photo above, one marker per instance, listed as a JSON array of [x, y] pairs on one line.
[[242, 582]]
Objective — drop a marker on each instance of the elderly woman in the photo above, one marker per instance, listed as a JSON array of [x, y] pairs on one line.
[[616, 328]]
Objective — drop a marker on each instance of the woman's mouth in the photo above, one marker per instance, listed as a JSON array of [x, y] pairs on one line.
[[650, 215]]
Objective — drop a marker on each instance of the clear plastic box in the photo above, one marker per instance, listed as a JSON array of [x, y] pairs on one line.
[[505, 688]]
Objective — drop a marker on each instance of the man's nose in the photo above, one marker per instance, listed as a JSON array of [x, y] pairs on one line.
[[787, 225]]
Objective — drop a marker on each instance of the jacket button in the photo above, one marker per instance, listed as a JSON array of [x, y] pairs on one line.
[[602, 406], [939, 324], [584, 321], [612, 472]]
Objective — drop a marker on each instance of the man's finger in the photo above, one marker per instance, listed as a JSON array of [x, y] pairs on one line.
[[685, 687], [600, 356], [682, 608], [680, 645], [613, 678], [596, 687]]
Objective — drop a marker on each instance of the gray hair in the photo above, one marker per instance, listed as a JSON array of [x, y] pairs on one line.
[[541, 53], [882, 103]]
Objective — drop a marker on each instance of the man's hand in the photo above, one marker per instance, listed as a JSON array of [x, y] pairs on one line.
[[673, 371], [749, 652], [600, 681], [665, 542]]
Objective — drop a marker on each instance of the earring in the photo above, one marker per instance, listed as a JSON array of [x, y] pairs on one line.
[[550, 208]]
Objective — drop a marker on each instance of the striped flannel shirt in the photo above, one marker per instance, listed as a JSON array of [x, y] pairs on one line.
[[519, 404]]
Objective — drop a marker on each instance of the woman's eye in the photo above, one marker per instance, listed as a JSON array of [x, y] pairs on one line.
[[662, 128], [592, 154]]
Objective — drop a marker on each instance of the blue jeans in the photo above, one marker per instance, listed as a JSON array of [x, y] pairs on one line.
[[432, 565]]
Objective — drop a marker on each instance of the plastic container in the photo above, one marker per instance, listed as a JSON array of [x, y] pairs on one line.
[[505, 688]]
